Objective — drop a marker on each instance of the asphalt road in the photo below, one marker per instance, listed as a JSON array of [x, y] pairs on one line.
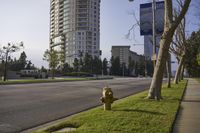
[[29, 105]]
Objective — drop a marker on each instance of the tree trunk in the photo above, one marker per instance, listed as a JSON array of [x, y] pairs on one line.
[[53, 73], [156, 83], [178, 71], [182, 71], [168, 66]]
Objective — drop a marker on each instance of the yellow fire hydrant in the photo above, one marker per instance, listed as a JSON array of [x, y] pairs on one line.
[[107, 99]]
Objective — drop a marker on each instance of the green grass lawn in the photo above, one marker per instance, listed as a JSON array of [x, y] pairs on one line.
[[133, 114], [198, 79]]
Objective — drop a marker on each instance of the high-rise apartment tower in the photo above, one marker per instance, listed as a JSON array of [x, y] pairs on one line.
[[75, 27]]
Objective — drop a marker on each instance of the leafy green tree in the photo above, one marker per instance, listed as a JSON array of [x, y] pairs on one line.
[[81, 64], [52, 56], [198, 58], [43, 69], [97, 65], [66, 68], [105, 65], [87, 66], [76, 65], [149, 67], [191, 62], [30, 66], [22, 60], [115, 66], [141, 67]]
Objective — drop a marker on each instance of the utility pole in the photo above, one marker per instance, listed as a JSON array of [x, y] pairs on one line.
[[154, 57], [154, 32], [123, 68], [5, 66]]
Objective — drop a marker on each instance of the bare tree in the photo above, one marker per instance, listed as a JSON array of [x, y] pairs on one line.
[[170, 26], [179, 46], [166, 39]]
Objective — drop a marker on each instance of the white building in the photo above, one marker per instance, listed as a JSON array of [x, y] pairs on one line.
[[75, 27]]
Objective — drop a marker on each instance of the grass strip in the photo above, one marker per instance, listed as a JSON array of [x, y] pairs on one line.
[[28, 81], [133, 114], [198, 79]]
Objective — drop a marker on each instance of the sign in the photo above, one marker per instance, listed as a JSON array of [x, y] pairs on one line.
[[146, 18]]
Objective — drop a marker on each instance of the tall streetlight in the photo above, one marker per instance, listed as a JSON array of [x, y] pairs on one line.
[[154, 31]]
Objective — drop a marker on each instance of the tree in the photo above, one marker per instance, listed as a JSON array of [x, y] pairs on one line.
[[105, 66], [115, 66], [43, 69], [87, 66], [193, 49], [76, 65], [66, 68], [30, 66], [179, 45], [198, 58], [1, 55], [170, 26], [22, 60], [97, 65], [52, 56], [141, 66], [168, 66], [81, 64], [6, 51]]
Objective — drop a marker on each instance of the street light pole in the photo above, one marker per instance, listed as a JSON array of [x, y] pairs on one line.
[[5, 66], [154, 31], [123, 68]]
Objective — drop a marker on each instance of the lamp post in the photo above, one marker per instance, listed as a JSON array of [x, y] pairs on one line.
[[154, 57], [154, 31], [123, 69]]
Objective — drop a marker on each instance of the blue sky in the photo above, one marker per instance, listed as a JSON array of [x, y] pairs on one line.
[[28, 21]]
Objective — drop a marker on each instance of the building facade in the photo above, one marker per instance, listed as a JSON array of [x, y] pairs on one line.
[[75, 27], [124, 53], [126, 56]]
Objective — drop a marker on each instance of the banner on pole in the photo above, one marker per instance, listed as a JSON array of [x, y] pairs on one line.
[[146, 18]]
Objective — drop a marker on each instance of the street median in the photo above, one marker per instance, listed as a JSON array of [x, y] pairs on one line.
[[32, 81]]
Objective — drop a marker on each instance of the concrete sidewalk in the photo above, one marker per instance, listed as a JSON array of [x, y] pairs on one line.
[[188, 119]]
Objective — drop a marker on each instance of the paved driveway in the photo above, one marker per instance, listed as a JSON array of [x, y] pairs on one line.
[[29, 105]]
